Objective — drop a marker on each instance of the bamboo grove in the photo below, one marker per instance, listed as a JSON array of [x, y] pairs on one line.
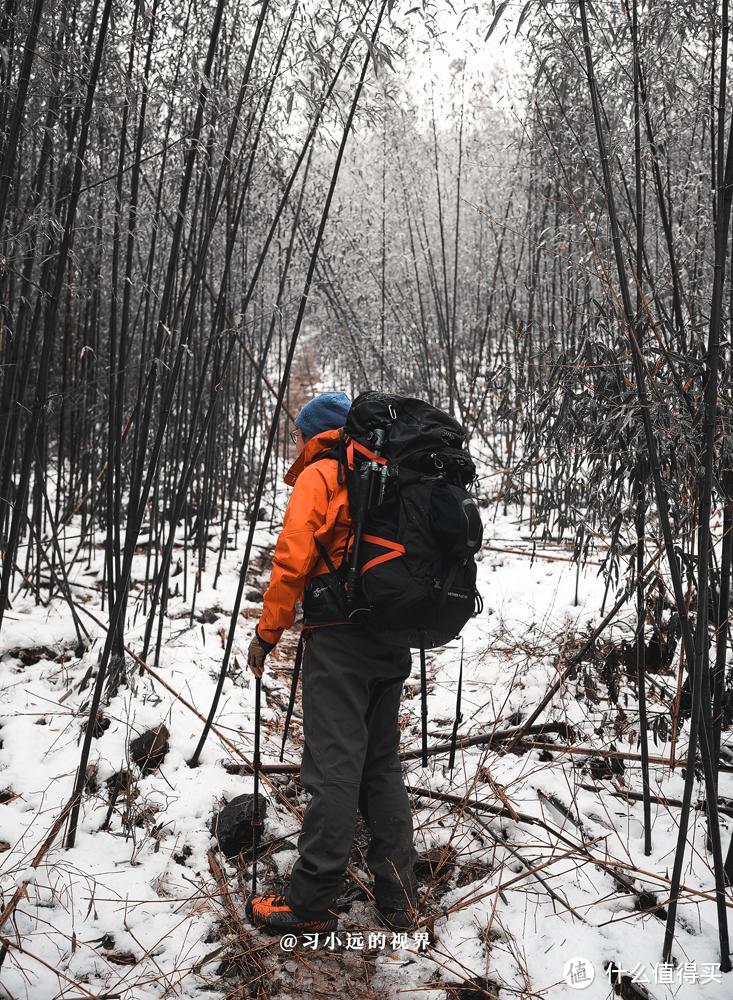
[[592, 356], [186, 190]]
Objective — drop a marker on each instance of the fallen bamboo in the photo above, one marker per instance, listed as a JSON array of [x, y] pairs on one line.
[[621, 873], [659, 800], [595, 752], [555, 896], [577, 657], [539, 555], [611, 754], [23, 888], [486, 739]]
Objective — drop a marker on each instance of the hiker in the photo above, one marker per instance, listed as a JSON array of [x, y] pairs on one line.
[[352, 683]]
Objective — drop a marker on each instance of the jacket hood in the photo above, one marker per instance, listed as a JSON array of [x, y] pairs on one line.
[[313, 447]]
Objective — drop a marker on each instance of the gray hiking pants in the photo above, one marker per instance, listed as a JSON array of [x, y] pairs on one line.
[[352, 682]]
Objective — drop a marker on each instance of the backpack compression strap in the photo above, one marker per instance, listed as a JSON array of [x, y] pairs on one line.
[[395, 550], [353, 446]]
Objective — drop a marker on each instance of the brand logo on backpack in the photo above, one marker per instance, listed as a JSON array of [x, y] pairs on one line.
[[409, 572]]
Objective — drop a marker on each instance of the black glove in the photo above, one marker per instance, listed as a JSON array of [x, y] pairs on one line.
[[258, 650]]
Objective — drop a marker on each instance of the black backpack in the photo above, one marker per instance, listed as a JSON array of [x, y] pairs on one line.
[[410, 572]]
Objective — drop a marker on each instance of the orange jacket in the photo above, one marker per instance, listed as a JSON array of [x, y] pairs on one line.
[[318, 509]]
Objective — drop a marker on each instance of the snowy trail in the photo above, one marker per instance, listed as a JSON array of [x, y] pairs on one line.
[[134, 910]]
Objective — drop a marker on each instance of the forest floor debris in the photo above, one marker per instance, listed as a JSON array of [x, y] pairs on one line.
[[529, 849]]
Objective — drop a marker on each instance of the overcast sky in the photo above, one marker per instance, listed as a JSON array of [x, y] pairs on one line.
[[462, 41]]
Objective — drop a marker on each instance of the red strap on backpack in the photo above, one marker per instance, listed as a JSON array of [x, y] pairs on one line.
[[353, 446], [396, 549]]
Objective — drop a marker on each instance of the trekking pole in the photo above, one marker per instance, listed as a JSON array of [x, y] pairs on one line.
[[365, 498], [256, 821], [458, 716], [293, 690], [423, 702]]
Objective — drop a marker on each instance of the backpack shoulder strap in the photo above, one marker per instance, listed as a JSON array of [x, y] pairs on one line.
[[338, 453], [325, 556], [326, 453], [335, 452]]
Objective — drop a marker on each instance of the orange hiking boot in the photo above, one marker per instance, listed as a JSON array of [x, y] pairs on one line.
[[398, 919], [272, 913]]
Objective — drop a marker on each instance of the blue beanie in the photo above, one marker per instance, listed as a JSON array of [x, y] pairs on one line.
[[323, 413]]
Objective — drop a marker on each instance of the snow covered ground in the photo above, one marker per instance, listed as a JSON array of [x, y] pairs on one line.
[[134, 911]]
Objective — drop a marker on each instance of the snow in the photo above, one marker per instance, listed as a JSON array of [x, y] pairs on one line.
[[135, 896]]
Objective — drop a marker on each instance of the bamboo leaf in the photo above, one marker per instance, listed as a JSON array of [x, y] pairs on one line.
[[541, 69], [497, 17], [523, 15]]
